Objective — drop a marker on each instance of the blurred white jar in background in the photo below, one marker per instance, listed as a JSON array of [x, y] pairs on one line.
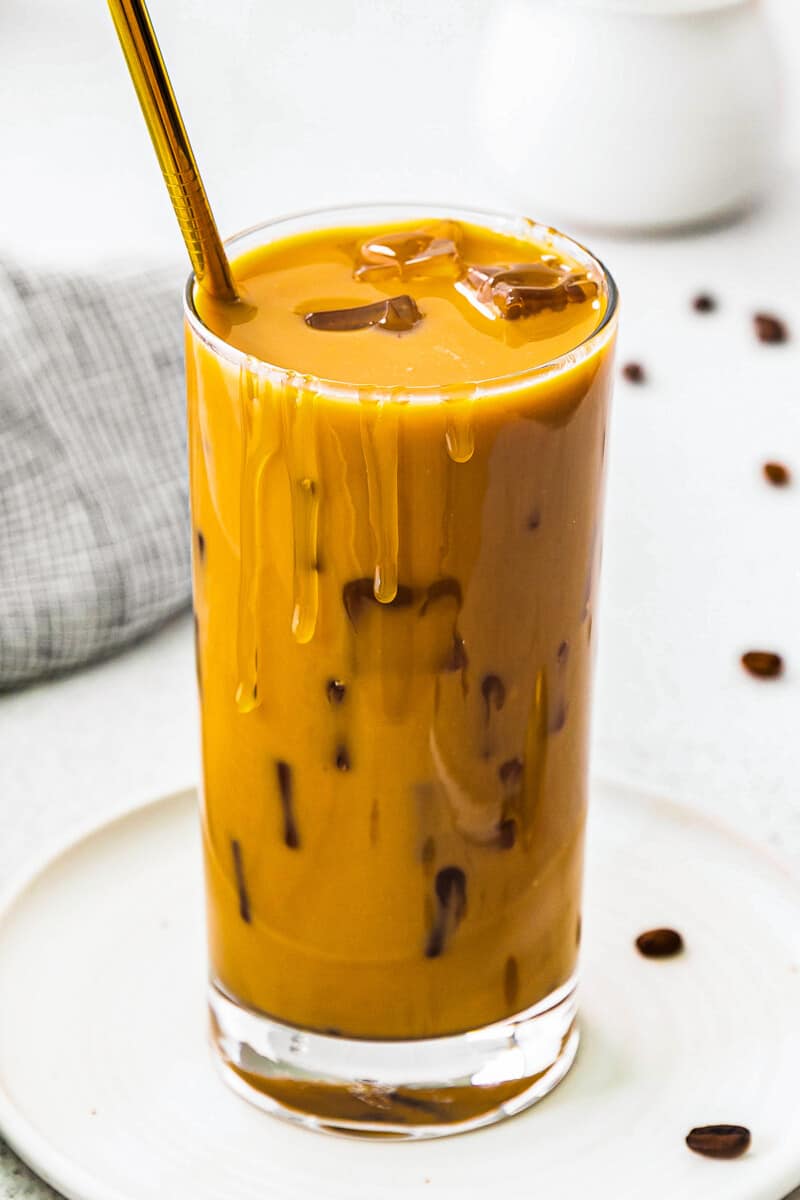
[[629, 114]]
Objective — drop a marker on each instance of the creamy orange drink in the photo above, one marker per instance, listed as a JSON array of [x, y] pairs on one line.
[[397, 441]]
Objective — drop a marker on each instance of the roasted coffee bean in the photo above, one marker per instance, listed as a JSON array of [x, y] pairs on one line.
[[704, 303], [342, 759], [719, 1141], [765, 664], [510, 772], [493, 691], [633, 372], [511, 982], [290, 835], [241, 887], [777, 474], [358, 592], [659, 943], [335, 690], [769, 328]]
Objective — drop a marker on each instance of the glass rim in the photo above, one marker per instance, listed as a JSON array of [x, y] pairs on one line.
[[428, 393]]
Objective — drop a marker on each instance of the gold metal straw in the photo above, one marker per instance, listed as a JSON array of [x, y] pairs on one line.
[[176, 158]]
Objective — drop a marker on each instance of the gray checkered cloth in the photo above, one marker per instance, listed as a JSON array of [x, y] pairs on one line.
[[94, 527]]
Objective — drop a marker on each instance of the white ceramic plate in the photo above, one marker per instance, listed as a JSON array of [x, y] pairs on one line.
[[108, 1090]]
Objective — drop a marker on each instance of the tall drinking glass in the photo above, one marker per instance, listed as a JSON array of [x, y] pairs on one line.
[[394, 594]]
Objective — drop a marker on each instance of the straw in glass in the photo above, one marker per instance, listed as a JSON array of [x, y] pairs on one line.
[[173, 148]]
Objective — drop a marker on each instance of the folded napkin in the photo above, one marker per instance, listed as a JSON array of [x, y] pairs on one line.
[[94, 526]]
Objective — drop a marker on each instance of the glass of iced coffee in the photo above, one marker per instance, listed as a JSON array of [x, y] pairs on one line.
[[397, 444]]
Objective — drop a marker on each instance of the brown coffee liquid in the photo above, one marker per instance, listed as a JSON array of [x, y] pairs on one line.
[[394, 616]]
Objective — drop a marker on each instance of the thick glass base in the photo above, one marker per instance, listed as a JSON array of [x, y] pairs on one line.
[[420, 1088]]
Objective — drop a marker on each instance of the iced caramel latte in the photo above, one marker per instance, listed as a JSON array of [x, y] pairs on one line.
[[397, 441]]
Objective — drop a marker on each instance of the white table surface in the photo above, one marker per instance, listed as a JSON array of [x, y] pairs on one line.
[[702, 558]]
